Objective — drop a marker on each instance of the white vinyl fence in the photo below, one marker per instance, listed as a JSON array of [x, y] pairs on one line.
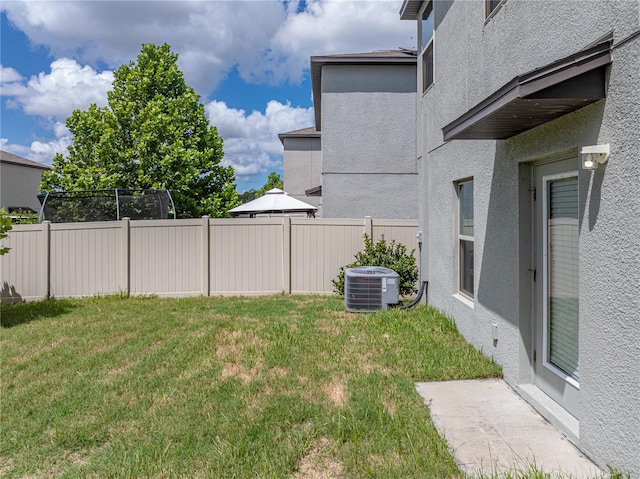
[[187, 257]]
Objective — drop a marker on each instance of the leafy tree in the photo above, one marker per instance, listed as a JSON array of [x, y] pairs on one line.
[[273, 181], [393, 256], [153, 134], [248, 195], [5, 227]]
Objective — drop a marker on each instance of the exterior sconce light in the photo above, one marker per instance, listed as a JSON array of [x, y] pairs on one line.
[[595, 155]]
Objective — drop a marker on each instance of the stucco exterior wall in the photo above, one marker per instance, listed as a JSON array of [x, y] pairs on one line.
[[302, 168], [472, 60], [19, 186], [368, 141]]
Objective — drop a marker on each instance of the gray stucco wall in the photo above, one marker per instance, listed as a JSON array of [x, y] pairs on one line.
[[302, 168], [19, 186], [369, 141], [470, 65]]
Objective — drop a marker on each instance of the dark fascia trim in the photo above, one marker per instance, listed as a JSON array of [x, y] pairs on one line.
[[304, 133], [317, 62], [11, 159], [315, 191], [410, 9], [529, 84]]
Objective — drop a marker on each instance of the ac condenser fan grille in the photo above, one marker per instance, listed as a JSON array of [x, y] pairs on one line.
[[370, 288], [364, 294]]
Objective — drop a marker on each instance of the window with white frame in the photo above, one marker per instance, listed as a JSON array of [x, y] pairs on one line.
[[465, 238], [426, 45]]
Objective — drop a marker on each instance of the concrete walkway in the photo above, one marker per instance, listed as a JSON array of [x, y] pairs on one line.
[[490, 428]]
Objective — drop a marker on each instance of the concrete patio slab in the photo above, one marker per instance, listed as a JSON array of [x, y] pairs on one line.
[[490, 428]]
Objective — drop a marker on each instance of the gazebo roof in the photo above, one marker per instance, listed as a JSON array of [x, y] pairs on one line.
[[273, 201]]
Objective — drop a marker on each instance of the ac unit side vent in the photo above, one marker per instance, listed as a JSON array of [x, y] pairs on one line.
[[370, 288]]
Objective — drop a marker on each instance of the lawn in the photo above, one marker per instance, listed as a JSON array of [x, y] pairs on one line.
[[282, 386]]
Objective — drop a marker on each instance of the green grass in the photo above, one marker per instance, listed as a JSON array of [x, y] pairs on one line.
[[284, 386]]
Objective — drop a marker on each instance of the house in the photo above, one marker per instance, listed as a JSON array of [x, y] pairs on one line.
[[365, 114], [302, 165], [536, 258], [19, 182]]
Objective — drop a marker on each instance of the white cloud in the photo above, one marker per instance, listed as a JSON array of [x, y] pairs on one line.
[[269, 41], [251, 143], [330, 27], [210, 36], [41, 151], [9, 76], [69, 86]]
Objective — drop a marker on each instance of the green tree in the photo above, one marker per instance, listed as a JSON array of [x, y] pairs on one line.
[[273, 181], [153, 134], [248, 195], [5, 227]]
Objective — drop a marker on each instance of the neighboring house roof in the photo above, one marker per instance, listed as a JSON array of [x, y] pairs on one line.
[[273, 201], [10, 158], [310, 132], [387, 57]]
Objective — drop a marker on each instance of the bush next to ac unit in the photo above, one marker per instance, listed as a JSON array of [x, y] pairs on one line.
[[393, 256]]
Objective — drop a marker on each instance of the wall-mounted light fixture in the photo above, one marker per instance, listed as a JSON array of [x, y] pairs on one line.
[[595, 155]]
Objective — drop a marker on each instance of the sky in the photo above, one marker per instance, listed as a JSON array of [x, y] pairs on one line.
[[248, 60]]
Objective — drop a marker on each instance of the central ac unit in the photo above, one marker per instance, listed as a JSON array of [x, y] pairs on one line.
[[370, 288]]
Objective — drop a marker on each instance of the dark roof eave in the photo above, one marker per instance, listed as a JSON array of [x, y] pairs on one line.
[[11, 159], [311, 132], [529, 100], [410, 9], [315, 191]]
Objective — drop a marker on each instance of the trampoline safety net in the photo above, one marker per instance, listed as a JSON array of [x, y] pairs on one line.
[[105, 205]]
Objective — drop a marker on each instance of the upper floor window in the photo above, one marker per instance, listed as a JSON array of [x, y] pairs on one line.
[[426, 46]]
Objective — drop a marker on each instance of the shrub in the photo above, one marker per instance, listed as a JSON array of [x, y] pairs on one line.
[[5, 226], [393, 256]]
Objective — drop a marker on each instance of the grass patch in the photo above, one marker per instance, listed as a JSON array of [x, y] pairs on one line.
[[284, 386]]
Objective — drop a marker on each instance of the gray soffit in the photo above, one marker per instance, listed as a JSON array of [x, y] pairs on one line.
[[6, 157], [410, 9], [536, 97], [397, 57]]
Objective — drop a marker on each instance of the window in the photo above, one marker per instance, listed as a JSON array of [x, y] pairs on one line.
[[426, 46], [491, 6], [465, 238]]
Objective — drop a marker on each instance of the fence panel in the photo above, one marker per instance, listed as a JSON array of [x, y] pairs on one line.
[[402, 231], [187, 257], [166, 257], [318, 248], [84, 259], [23, 269], [246, 256]]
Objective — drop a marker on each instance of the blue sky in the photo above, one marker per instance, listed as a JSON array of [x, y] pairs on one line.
[[249, 60]]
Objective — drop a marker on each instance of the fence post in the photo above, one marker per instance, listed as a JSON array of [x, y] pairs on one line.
[[286, 254], [46, 259], [368, 226], [126, 253], [205, 257]]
